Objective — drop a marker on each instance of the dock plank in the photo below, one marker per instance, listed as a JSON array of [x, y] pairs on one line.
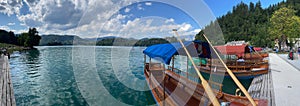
[[261, 88], [4, 88], [1, 82], [7, 97], [12, 94], [279, 86]]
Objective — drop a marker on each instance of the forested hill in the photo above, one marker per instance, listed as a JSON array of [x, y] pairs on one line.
[[53, 40], [26, 39], [250, 22]]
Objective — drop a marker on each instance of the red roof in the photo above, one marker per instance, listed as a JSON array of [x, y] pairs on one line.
[[258, 49], [231, 50]]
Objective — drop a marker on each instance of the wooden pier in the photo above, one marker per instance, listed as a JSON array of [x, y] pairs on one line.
[[7, 97], [262, 88], [280, 86]]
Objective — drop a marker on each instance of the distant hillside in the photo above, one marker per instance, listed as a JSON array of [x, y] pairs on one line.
[[24, 40], [51, 40], [62, 40], [100, 38]]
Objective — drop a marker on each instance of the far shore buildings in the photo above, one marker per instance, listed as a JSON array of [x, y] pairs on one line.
[[233, 43]]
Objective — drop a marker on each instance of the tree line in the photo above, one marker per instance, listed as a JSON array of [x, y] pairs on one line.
[[132, 42], [257, 25], [27, 39]]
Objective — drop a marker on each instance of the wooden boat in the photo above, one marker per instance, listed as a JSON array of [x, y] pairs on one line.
[[253, 64], [243, 70], [170, 88], [241, 50]]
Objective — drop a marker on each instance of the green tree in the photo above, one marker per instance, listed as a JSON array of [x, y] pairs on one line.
[[284, 24], [199, 36], [12, 38], [22, 38], [262, 38], [29, 39]]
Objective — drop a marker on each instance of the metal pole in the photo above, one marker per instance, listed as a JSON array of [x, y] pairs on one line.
[[164, 76], [145, 60], [149, 63], [173, 58], [210, 63], [205, 84]]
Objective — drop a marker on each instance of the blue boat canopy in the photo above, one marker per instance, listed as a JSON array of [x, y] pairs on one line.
[[164, 52]]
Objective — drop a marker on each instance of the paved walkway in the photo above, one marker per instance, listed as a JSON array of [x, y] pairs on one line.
[[286, 81], [295, 63]]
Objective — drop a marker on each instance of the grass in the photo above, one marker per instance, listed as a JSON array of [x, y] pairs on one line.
[[10, 48]]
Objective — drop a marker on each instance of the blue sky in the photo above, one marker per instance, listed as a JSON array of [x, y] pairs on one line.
[[221, 7], [126, 18]]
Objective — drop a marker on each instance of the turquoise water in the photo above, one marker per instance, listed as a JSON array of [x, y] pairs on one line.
[[84, 75], [54, 76], [228, 85]]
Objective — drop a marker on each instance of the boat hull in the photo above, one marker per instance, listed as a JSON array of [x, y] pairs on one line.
[[169, 88], [239, 75]]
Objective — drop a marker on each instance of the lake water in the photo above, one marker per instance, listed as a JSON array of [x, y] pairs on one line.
[[95, 76], [83, 75]]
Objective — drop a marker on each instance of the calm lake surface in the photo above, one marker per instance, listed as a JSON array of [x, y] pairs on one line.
[[54, 76], [84, 75]]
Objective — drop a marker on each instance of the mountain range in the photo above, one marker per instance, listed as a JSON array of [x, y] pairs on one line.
[[52, 40]]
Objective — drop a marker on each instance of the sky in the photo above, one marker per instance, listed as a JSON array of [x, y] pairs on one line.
[[124, 18]]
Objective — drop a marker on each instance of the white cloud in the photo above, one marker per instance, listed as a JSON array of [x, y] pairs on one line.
[[22, 24], [146, 27], [139, 7], [148, 3], [92, 18], [69, 15], [10, 7], [126, 10], [5, 28], [13, 30], [171, 20], [185, 27], [11, 23]]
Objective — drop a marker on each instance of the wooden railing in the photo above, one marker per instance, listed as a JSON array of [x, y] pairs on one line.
[[195, 78]]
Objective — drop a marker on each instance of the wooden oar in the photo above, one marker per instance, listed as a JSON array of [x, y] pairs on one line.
[[237, 82], [205, 84]]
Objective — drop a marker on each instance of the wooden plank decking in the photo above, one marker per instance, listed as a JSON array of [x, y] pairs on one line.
[[262, 88], [7, 97]]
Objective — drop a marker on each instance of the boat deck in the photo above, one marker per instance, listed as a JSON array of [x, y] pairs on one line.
[[7, 97], [178, 90], [174, 89]]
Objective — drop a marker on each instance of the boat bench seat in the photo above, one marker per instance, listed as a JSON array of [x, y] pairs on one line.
[[259, 69]]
